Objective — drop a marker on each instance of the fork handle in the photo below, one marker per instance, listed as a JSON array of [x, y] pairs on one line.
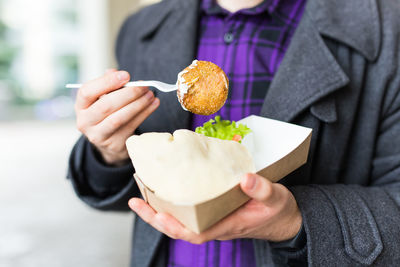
[[164, 87]]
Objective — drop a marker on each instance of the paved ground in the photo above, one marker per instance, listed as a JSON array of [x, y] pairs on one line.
[[42, 223]]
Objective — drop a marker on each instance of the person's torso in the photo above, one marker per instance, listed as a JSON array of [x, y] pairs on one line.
[[322, 83]]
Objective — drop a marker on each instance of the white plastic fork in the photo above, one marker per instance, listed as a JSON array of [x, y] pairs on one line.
[[164, 87]]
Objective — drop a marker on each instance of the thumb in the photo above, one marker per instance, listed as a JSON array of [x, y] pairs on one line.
[[257, 187]]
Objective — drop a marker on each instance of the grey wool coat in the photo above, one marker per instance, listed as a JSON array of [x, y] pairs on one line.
[[340, 77]]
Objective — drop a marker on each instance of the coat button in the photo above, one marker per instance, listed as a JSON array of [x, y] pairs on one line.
[[228, 37]]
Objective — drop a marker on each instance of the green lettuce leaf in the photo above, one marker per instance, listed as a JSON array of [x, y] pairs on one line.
[[223, 129]]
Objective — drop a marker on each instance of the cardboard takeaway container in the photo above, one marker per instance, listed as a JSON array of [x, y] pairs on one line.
[[277, 148]]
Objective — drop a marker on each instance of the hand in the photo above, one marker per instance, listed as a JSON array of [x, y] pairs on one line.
[[108, 114], [271, 214]]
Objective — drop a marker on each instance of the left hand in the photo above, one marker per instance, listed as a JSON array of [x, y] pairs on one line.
[[271, 214]]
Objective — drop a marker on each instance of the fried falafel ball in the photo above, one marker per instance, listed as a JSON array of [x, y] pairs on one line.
[[202, 88]]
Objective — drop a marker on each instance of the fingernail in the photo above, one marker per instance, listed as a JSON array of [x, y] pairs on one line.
[[132, 203], [155, 102], [122, 76], [251, 182], [149, 95]]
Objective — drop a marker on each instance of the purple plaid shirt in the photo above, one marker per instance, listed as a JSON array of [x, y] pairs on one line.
[[249, 46]]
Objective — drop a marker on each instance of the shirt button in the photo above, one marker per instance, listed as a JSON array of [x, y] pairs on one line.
[[228, 37]]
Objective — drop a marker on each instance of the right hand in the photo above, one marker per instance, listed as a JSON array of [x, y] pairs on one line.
[[108, 114]]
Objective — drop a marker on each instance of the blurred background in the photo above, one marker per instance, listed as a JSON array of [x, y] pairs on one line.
[[45, 44]]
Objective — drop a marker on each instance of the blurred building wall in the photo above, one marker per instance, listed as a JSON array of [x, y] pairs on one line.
[[118, 11], [100, 21], [45, 44]]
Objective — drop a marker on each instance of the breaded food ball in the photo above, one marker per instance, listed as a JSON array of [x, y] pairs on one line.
[[202, 88]]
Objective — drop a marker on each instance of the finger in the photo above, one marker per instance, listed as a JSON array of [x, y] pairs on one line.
[[176, 230], [92, 90], [258, 188], [110, 70], [173, 228], [234, 225], [116, 141], [223, 230], [110, 103], [163, 222], [111, 124], [131, 126], [142, 209]]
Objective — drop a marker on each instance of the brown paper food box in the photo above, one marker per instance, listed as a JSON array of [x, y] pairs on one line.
[[278, 148]]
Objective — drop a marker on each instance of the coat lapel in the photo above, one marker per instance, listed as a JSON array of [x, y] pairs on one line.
[[307, 73], [354, 23]]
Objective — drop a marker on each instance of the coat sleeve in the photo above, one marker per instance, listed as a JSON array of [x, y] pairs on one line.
[[352, 225], [98, 185]]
